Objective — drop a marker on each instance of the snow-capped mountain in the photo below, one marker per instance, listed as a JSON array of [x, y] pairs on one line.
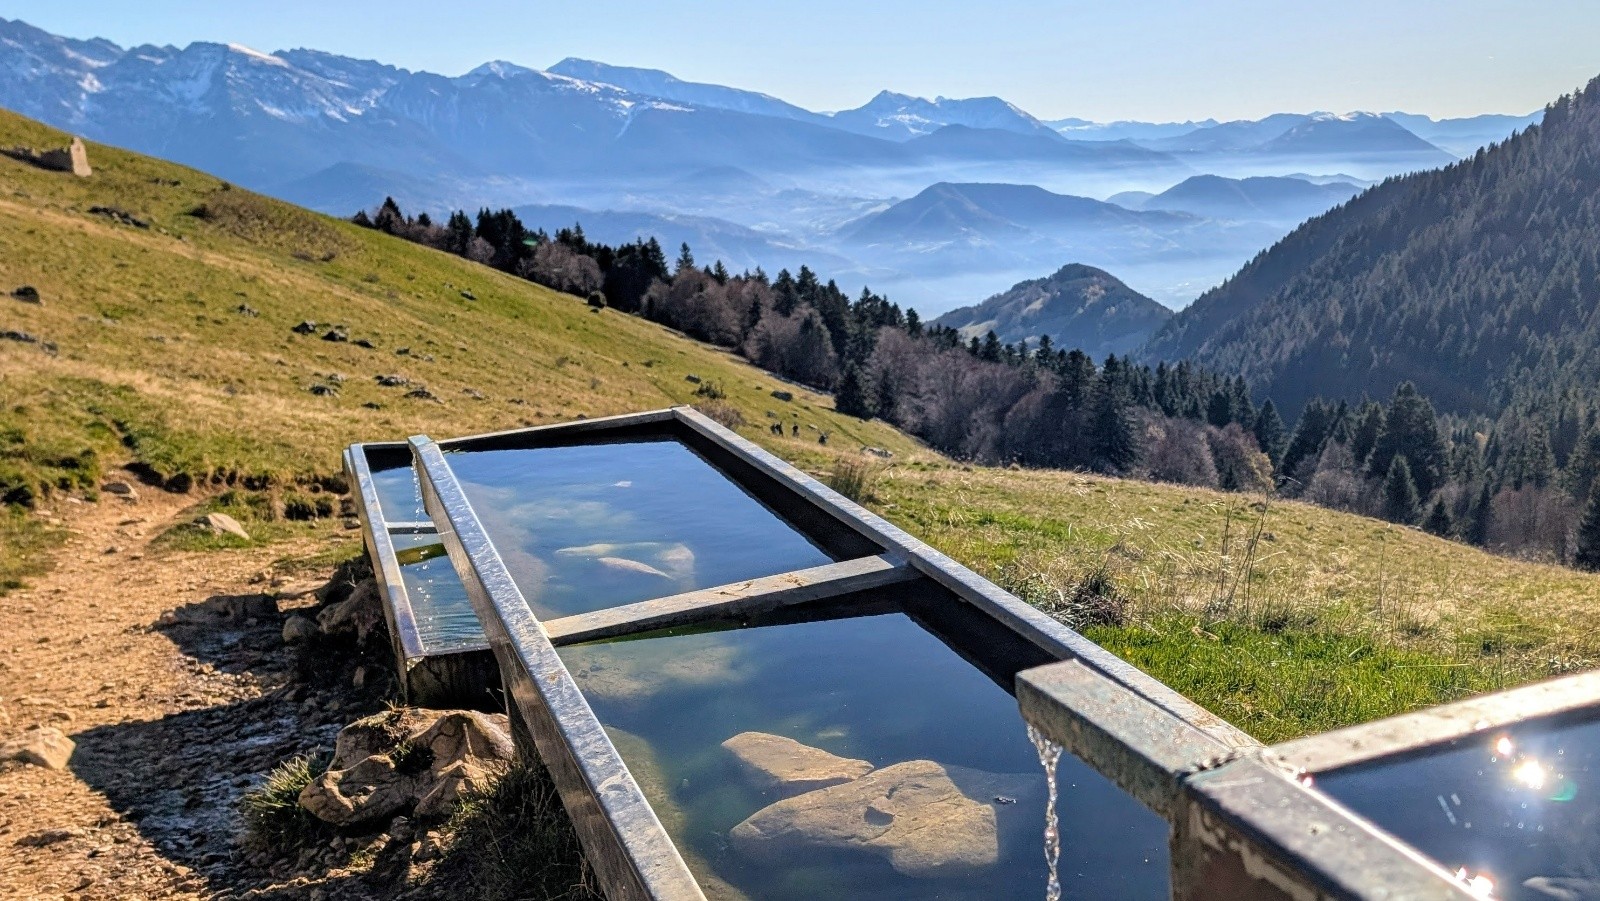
[[901, 117]]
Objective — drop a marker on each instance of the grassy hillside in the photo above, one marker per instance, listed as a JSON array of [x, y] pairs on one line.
[[171, 346]]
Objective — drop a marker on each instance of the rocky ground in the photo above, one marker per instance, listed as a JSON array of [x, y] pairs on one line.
[[170, 673]]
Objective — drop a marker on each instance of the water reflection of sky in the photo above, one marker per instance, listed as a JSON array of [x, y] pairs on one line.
[[880, 689], [600, 525], [1512, 812]]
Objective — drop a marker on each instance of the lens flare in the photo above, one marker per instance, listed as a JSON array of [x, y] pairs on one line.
[[1503, 746], [1531, 773]]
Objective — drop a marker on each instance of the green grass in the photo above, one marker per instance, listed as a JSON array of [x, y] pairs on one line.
[[273, 817], [1293, 681], [157, 364]]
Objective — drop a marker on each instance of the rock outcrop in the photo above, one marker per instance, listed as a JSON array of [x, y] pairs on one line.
[[416, 762], [41, 746]]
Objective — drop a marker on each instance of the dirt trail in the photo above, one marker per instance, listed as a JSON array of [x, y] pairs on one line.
[[174, 715]]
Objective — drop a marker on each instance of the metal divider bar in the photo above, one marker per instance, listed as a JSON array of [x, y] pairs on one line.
[[748, 597], [631, 853], [375, 532]]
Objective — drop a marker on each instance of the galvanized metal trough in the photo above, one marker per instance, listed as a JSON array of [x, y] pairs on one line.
[[1245, 821]]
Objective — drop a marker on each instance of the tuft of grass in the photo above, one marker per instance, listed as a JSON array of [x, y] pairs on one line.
[[854, 478], [273, 817], [513, 842]]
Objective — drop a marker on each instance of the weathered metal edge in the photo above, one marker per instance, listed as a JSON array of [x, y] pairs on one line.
[[1145, 750], [750, 596], [1248, 829], [397, 611], [630, 851], [577, 426], [1043, 631], [1437, 725]]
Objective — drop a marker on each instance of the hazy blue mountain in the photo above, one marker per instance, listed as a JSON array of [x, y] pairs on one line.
[[655, 83], [1331, 134], [901, 117], [1078, 307], [1265, 198], [1241, 134], [1463, 136], [1011, 230]]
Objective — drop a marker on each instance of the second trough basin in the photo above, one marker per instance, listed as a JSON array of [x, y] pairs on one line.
[[854, 757]]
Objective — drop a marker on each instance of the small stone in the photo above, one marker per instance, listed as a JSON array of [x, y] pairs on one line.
[[468, 294], [45, 746], [27, 294], [337, 335], [358, 679], [223, 524], [780, 394], [392, 381], [306, 327], [297, 629], [120, 489], [324, 390], [691, 377]]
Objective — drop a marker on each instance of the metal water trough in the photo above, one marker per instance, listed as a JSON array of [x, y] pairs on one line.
[[458, 674], [1247, 822]]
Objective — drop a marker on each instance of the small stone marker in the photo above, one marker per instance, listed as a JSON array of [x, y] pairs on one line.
[[80, 158]]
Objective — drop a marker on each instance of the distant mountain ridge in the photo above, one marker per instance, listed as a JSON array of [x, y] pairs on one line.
[[1077, 307], [1477, 282], [1272, 198]]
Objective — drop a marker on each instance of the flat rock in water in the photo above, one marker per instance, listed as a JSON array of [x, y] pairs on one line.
[[624, 565], [223, 524], [928, 819], [43, 746], [778, 763]]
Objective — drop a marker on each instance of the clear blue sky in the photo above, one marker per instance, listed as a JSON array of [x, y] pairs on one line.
[[1102, 59]]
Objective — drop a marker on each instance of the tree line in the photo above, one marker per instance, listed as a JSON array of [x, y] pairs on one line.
[[1516, 485]]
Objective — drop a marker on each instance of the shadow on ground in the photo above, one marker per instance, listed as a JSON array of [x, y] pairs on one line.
[[258, 702]]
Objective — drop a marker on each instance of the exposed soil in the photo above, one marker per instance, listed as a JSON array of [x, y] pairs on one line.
[[176, 711]]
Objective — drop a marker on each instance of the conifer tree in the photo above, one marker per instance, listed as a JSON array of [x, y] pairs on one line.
[[1399, 493], [852, 398], [1438, 521], [1587, 554], [1270, 434]]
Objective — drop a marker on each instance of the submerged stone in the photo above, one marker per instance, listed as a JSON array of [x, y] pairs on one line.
[[927, 819], [781, 764]]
